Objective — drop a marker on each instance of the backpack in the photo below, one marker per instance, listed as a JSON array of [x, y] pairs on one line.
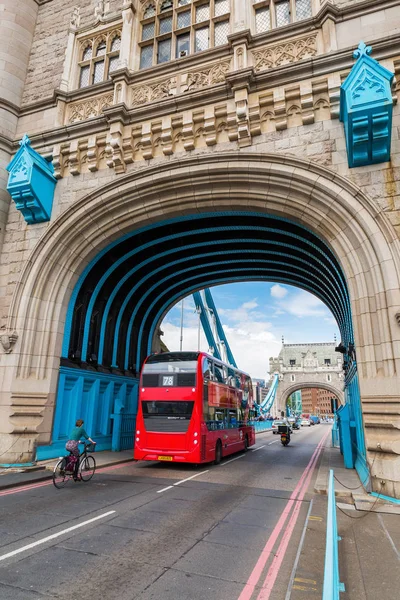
[[70, 462]]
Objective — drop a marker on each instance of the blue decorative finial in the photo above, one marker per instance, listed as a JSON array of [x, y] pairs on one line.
[[25, 141], [362, 50]]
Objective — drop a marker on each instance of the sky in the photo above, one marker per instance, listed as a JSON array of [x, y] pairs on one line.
[[255, 316]]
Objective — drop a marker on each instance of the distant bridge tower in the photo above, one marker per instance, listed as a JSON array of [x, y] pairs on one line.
[[307, 366]]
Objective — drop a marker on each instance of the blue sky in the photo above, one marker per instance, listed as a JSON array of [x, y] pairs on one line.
[[255, 316]]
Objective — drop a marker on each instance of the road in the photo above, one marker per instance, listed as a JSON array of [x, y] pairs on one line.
[[153, 531]]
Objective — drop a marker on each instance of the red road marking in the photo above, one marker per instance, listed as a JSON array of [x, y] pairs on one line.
[[280, 554], [33, 486], [265, 554]]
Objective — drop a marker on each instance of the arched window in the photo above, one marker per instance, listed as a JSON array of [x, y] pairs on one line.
[[98, 59], [181, 27], [278, 13], [149, 12]]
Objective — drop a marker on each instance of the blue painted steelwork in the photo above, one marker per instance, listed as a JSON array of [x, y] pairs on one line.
[[17, 465], [117, 263], [269, 399], [131, 284], [206, 310], [366, 107], [31, 183], [382, 497], [96, 398], [212, 342], [335, 434], [332, 586], [220, 330], [261, 426]]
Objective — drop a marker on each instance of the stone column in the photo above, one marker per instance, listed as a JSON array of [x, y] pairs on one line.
[[17, 25], [241, 15]]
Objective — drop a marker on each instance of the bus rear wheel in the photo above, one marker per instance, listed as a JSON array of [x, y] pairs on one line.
[[246, 443], [218, 453]]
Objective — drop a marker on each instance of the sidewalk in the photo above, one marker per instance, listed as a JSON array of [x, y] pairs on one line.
[[369, 550], [44, 469]]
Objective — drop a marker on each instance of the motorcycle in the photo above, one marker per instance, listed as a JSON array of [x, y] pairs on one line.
[[284, 431]]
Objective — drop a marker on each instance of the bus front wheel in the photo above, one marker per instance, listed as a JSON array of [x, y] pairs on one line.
[[246, 443], [218, 453]]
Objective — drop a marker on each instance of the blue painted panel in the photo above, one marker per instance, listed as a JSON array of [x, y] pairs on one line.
[[92, 397], [366, 108], [31, 183]]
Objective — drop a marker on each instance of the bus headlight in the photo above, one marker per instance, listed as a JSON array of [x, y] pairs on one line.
[[138, 432], [137, 439], [195, 435], [195, 441]]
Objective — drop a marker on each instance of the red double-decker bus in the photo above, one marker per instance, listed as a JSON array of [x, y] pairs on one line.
[[192, 408]]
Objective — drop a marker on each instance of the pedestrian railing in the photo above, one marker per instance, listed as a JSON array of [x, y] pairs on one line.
[[335, 435], [332, 585], [261, 426]]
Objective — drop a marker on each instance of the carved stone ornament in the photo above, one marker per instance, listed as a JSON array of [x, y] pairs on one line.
[[101, 8], [283, 54], [205, 77], [150, 93], [8, 341], [75, 18], [87, 109]]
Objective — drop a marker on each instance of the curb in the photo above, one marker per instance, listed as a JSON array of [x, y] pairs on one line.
[[49, 474]]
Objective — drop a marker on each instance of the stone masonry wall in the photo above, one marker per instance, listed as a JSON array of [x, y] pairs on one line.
[[49, 44], [322, 142]]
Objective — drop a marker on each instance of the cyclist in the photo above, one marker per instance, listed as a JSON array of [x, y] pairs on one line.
[[77, 433]]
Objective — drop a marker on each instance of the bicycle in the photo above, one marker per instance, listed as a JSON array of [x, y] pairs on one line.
[[64, 469]]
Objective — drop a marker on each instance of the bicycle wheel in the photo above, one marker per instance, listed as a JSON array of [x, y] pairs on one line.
[[87, 467], [60, 476]]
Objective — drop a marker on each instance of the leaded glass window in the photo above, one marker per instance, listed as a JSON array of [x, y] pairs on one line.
[[263, 19], [182, 45], [221, 32], [166, 25], [166, 5], [278, 13], [149, 12], [183, 19], [116, 44], [148, 31], [202, 13], [282, 12], [202, 39], [146, 57], [221, 7], [99, 58], [164, 51], [98, 71], [207, 25], [84, 76], [101, 49], [303, 9], [87, 53], [113, 63]]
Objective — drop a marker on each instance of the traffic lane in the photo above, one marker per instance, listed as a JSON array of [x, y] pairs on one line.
[[94, 550], [180, 535], [29, 513]]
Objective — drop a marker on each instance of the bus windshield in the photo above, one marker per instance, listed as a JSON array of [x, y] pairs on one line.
[[189, 366]]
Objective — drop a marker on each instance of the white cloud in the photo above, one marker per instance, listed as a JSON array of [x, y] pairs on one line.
[[303, 304], [250, 305], [251, 345], [249, 336], [277, 291]]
